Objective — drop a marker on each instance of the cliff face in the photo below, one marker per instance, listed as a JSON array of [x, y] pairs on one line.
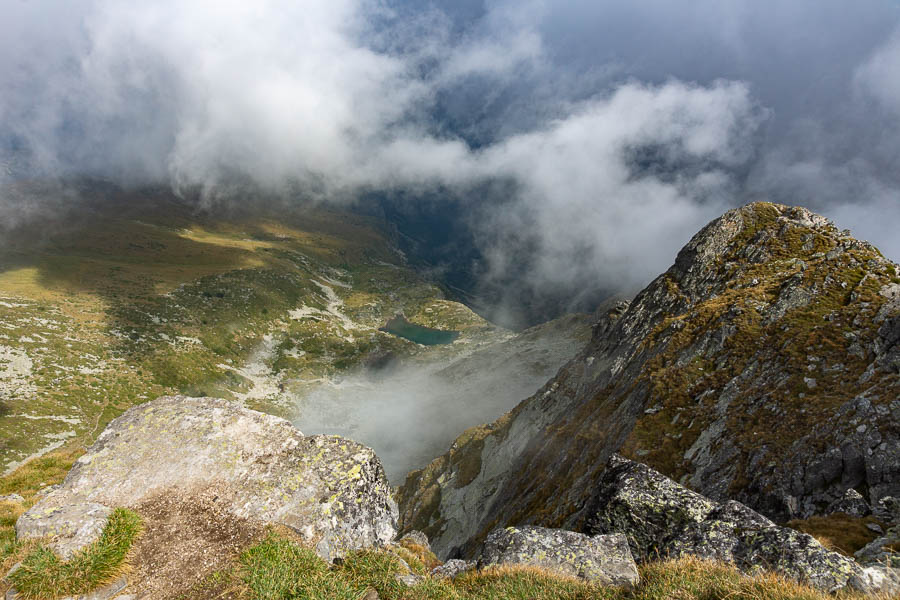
[[762, 367]]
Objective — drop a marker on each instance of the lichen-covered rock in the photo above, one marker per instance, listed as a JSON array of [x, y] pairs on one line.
[[453, 568], [70, 526], [661, 518], [331, 490], [879, 579], [851, 503], [759, 367], [645, 505], [605, 559]]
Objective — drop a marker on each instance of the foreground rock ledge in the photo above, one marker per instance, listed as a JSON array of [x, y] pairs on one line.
[[331, 490], [660, 518]]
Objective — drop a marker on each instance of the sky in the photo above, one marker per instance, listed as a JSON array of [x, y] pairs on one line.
[[615, 128]]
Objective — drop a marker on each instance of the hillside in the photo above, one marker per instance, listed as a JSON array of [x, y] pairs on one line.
[[761, 367], [135, 294]]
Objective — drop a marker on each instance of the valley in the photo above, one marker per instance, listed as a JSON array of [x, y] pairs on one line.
[[147, 295]]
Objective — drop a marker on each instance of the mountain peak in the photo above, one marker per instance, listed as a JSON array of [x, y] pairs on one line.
[[761, 367]]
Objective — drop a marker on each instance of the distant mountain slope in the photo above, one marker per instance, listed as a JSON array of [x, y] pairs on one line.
[[122, 296], [762, 366]]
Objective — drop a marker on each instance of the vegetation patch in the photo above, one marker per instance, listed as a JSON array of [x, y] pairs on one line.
[[44, 575], [838, 531], [278, 568]]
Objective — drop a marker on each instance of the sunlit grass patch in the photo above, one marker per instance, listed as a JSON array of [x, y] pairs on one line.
[[44, 575], [39, 472]]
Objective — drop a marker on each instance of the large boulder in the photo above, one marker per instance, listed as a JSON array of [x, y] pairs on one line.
[[605, 559], [331, 490], [662, 518]]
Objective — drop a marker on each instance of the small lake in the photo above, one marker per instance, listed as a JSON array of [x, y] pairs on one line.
[[426, 336]]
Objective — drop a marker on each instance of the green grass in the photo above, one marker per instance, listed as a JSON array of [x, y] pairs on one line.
[[151, 298], [44, 575], [279, 569]]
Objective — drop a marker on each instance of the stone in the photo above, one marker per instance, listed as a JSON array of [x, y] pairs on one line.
[[644, 505], [875, 528], [369, 594], [410, 579], [416, 537], [16, 498], [605, 559], [878, 551], [106, 592], [661, 518], [879, 579], [331, 490], [850, 503], [69, 526], [887, 509], [452, 568]]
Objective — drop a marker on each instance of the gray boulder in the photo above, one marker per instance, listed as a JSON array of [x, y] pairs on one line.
[[887, 509], [880, 550], [452, 568], [605, 559], [331, 490], [879, 579], [661, 518], [416, 537], [70, 526], [850, 503]]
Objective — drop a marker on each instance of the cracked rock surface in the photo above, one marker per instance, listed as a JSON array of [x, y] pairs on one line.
[[331, 490]]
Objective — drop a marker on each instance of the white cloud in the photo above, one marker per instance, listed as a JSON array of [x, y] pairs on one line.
[[879, 76], [338, 96]]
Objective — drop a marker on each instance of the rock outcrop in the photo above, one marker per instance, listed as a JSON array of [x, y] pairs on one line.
[[660, 518], [255, 466], [604, 559], [761, 367]]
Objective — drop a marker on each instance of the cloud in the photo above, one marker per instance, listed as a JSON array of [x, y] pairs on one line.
[[618, 127]]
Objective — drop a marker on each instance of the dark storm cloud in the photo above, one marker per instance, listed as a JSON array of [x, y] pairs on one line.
[[623, 126]]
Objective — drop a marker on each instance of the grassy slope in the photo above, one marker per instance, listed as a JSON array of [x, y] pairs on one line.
[[142, 297], [278, 569]]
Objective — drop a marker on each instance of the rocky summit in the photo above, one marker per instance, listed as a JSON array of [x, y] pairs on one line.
[[761, 367], [254, 467]]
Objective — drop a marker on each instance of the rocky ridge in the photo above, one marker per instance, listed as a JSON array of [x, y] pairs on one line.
[[761, 367]]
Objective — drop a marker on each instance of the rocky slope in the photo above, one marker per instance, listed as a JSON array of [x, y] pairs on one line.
[[761, 367]]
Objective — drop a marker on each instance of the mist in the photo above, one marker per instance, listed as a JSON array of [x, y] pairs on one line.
[[617, 128], [410, 411]]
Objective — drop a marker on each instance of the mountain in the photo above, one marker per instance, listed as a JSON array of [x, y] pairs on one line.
[[761, 367], [115, 297]]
